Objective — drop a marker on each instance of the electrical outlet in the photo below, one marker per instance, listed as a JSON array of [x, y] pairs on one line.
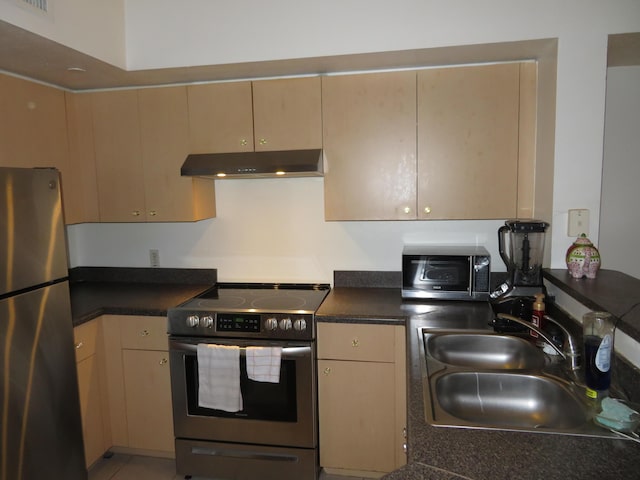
[[154, 257], [578, 222]]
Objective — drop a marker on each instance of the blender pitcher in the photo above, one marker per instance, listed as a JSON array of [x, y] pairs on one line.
[[521, 246]]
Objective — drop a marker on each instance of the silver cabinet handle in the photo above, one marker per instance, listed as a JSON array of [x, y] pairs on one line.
[[79, 345], [327, 371], [163, 361], [355, 342], [144, 333]]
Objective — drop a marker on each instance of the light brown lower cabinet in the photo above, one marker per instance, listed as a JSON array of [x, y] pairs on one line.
[[148, 393], [361, 397], [87, 341], [138, 384]]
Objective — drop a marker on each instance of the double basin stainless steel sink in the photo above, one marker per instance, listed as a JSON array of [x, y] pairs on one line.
[[481, 379]]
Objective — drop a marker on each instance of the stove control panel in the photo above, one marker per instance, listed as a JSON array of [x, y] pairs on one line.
[[243, 325], [238, 322]]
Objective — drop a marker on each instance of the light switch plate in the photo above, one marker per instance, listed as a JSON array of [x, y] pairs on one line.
[[578, 222]]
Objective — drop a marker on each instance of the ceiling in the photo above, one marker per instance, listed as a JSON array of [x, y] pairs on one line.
[[32, 56]]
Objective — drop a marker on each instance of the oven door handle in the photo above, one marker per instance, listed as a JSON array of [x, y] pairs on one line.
[[287, 352]]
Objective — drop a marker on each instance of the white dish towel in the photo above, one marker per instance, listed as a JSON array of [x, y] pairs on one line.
[[263, 364], [219, 377]]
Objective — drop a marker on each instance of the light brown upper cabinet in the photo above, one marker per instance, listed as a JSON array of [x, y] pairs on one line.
[[32, 125], [116, 132], [33, 130], [287, 114], [79, 183], [282, 114], [369, 141], [442, 143], [164, 130], [220, 117], [468, 142], [141, 140]]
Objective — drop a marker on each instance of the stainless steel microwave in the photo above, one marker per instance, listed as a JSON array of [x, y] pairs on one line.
[[457, 272]]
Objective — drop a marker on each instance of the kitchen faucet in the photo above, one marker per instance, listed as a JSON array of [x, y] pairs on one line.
[[569, 352]]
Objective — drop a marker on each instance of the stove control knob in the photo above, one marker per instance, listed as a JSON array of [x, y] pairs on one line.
[[285, 324], [193, 321], [207, 321], [271, 324], [300, 325]]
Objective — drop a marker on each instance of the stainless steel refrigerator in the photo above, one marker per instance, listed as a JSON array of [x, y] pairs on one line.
[[40, 426]]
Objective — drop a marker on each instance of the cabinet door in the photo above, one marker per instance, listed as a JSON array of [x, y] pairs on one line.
[[91, 409], [220, 118], [357, 424], [369, 141], [164, 132], [116, 131], [148, 400], [287, 114], [468, 142], [87, 339], [33, 132], [32, 125], [79, 188]]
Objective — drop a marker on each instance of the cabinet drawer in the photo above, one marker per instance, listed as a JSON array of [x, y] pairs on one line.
[[84, 339], [346, 341], [143, 333]]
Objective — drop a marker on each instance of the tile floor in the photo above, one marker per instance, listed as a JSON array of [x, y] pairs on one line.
[[134, 467]]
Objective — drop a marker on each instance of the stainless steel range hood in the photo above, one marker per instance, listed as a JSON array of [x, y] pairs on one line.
[[289, 163]]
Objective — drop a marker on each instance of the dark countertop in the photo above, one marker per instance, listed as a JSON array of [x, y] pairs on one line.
[[611, 291], [360, 305], [440, 453], [98, 291]]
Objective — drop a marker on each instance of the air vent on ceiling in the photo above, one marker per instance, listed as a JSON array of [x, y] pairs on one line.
[[41, 5]]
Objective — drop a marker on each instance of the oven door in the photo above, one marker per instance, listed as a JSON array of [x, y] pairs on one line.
[[282, 414]]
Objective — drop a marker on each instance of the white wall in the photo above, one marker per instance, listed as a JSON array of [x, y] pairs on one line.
[[620, 215], [203, 32], [94, 27], [270, 230]]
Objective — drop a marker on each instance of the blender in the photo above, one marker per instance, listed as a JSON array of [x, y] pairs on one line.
[[521, 246]]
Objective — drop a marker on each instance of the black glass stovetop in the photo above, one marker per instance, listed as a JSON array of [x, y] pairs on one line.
[[272, 297]]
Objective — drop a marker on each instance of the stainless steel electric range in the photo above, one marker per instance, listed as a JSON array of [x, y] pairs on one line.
[[228, 422]]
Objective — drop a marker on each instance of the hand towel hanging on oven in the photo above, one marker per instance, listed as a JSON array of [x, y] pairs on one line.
[[219, 377], [263, 364]]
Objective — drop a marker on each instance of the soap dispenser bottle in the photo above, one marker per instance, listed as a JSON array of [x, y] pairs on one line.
[[598, 333], [537, 314]]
